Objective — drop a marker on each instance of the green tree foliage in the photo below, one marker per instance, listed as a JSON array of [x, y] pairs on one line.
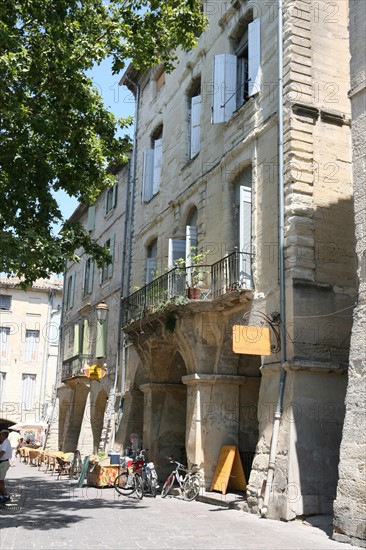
[[55, 132]]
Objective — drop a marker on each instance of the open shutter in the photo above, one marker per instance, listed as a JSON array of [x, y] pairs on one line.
[[158, 153], [111, 251], [85, 342], [84, 284], [72, 290], [191, 241], [177, 250], [245, 236], [114, 195], [195, 125], [147, 179], [76, 339], [177, 282], [254, 57], [28, 391], [91, 277], [224, 87], [91, 218]]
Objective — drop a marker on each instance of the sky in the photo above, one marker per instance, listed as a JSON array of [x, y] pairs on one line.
[[118, 99]]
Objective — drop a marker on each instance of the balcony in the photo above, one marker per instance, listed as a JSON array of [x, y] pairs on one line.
[[180, 285], [73, 367]]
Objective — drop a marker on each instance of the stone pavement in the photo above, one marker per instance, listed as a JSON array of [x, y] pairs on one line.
[[47, 513]]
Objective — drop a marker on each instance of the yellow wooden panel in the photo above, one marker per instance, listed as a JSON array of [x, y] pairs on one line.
[[223, 469], [237, 479], [251, 340]]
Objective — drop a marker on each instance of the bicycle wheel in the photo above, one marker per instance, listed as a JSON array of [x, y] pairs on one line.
[[123, 484], [191, 487], [154, 485], [139, 486], [167, 486]]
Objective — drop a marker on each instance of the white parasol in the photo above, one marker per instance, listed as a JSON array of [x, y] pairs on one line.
[[29, 426]]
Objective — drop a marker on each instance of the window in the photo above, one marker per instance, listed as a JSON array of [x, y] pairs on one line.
[[110, 199], [152, 250], [195, 123], [90, 224], [31, 345], [236, 77], [2, 387], [5, 302], [182, 248], [28, 391], [70, 291], [4, 336], [88, 276], [107, 271], [152, 167]]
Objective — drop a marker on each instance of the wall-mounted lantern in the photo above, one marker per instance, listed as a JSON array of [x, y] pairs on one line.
[[102, 312]]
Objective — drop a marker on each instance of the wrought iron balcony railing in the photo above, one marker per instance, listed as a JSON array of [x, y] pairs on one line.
[[74, 366], [179, 285]]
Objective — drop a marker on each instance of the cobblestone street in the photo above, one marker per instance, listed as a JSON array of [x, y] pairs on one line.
[[47, 513]]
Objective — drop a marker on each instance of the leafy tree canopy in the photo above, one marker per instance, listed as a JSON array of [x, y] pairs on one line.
[[55, 132]]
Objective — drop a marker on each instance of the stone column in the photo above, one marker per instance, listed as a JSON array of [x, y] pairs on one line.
[[212, 418], [132, 417]]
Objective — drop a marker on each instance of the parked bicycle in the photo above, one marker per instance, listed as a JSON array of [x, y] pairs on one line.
[[189, 484], [138, 477]]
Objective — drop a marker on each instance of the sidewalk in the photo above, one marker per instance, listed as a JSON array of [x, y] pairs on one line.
[[46, 513]]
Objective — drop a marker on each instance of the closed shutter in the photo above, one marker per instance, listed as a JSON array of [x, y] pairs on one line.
[[254, 57], [4, 334], [148, 174], [224, 87], [2, 387], [28, 391], [195, 125], [91, 218], [158, 154], [31, 345]]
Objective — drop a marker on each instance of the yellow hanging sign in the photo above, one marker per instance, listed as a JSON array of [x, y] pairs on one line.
[[251, 340]]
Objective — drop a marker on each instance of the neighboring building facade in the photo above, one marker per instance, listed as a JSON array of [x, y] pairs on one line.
[[88, 344], [207, 177], [350, 505], [29, 339]]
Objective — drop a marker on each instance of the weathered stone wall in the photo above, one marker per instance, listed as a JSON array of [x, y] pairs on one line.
[[350, 505]]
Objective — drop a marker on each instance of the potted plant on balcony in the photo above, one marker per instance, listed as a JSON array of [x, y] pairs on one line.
[[194, 268]]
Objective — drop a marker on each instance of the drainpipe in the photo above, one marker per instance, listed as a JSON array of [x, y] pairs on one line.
[[128, 236], [281, 388], [44, 334]]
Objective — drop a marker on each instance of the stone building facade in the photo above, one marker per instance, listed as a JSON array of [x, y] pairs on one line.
[[29, 331], [207, 176], [89, 359], [350, 505]]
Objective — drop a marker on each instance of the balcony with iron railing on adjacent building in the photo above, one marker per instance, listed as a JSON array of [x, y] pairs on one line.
[[74, 366], [180, 285]]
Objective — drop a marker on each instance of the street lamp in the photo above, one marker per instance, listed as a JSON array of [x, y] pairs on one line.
[[102, 312]]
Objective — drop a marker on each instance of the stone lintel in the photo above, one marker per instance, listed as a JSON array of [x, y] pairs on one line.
[[155, 386], [300, 366], [304, 109], [212, 379]]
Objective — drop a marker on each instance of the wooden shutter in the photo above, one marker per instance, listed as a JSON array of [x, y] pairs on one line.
[[84, 285], [158, 153], [224, 87], [76, 350], [72, 290], [148, 174], [91, 277], [28, 391], [114, 195], [191, 241], [177, 250], [245, 227], [111, 251], [195, 125], [2, 387], [101, 343], [254, 57], [85, 342], [90, 226]]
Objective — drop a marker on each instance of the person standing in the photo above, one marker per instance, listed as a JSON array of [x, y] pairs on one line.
[[5, 456], [14, 438]]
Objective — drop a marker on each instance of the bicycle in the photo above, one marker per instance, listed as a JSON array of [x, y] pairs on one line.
[[148, 475], [130, 481], [189, 484]]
